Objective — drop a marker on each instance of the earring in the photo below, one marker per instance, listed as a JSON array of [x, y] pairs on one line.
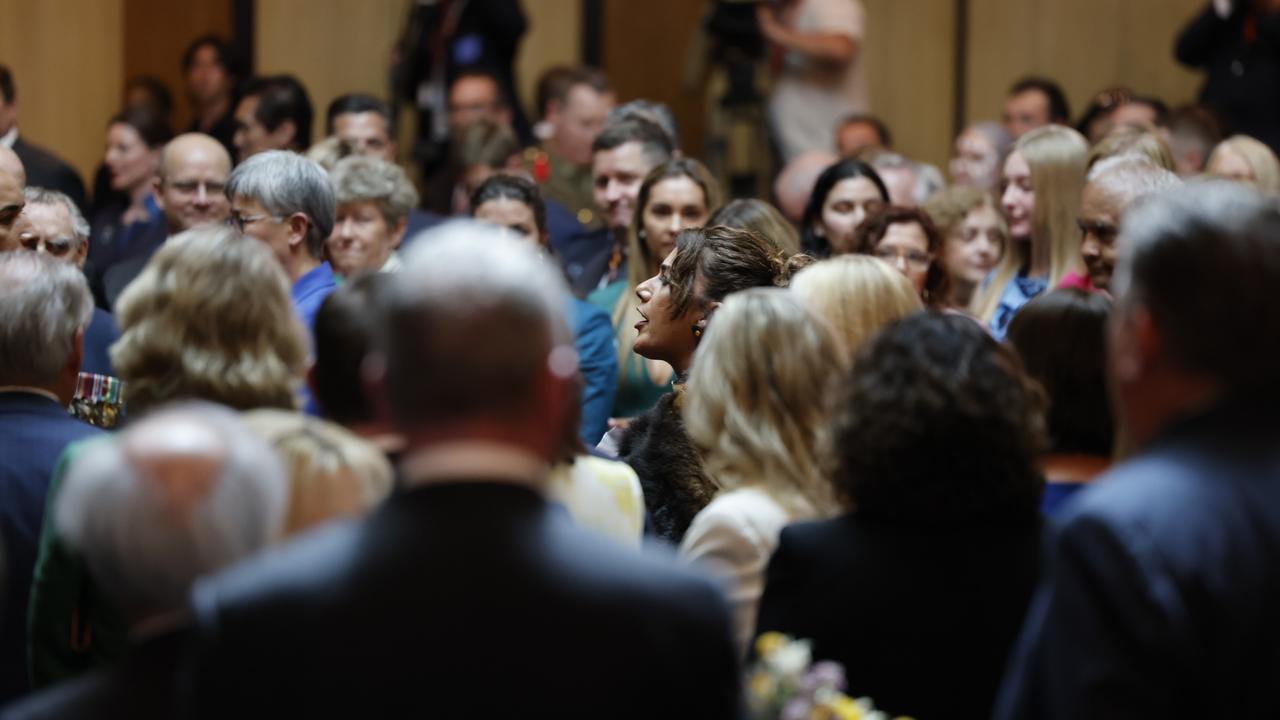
[[640, 233], [697, 331]]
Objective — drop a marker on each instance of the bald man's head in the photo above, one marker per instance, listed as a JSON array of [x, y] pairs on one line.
[[12, 164], [13, 178], [193, 176]]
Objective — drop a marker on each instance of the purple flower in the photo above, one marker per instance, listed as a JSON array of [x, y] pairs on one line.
[[797, 708], [824, 674]]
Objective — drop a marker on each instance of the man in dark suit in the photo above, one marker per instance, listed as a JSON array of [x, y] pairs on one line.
[[44, 169], [1162, 578], [468, 594], [45, 307], [181, 493]]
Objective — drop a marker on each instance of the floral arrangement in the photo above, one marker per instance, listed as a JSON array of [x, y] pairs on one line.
[[785, 684]]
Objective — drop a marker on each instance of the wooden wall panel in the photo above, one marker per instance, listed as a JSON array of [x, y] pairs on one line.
[[554, 38], [646, 46], [67, 58], [1087, 45], [333, 46], [158, 32], [910, 56]]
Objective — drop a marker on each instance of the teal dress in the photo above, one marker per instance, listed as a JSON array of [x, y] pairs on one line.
[[636, 391]]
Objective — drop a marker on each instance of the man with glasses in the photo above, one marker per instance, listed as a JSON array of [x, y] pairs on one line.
[[50, 223], [191, 189], [287, 202]]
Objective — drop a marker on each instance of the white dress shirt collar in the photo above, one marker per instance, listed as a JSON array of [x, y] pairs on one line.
[[9, 138]]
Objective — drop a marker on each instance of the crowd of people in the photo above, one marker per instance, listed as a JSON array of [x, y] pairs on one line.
[[563, 429]]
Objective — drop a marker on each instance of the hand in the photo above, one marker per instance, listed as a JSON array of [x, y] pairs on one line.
[[772, 29]]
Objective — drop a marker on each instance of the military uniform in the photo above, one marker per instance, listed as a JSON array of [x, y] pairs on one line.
[[565, 183]]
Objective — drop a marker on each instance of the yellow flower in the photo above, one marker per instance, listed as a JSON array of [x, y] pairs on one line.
[[763, 686], [768, 643], [845, 708]]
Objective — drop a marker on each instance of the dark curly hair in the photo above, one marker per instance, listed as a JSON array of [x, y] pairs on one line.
[[937, 283], [1061, 337], [726, 260], [939, 426]]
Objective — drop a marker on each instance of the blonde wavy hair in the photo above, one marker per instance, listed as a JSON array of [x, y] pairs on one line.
[[1056, 156], [1260, 159], [857, 295], [758, 401], [1132, 140], [210, 318], [332, 473]]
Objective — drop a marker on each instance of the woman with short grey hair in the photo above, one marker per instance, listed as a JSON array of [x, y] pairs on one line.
[[374, 199]]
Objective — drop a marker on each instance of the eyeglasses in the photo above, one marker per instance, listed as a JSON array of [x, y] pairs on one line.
[[190, 187], [240, 222], [914, 259]]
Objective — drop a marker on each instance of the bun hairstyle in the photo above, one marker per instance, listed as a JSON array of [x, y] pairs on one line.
[[725, 260]]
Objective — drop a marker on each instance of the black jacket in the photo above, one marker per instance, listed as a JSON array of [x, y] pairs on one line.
[[922, 619], [466, 600], [1242, 76], [46, 170]]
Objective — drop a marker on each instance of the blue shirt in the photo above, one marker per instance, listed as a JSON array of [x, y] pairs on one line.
[[1020, 290], [598, 361], [308, 295], [310, 291]]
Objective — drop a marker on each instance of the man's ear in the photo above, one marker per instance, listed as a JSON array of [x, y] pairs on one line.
[[397, 233], [157, 191], [373, 380], [1135, 344]]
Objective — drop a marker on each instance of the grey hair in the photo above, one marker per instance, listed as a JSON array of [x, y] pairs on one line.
[[470, 325], [44, 303], [285, 183], [147, 534], [1204, 260], [658, 113], [1127, 177], [44, 196], [359, 178]]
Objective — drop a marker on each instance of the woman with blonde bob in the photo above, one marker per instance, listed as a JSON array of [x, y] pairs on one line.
[[1044, 178], [332, 472], [767, 451], [210, 318], [1246, 160], [857, 295]]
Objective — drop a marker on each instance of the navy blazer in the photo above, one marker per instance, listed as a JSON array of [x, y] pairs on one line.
[[462, 600], [34, 430], [1162, 583]]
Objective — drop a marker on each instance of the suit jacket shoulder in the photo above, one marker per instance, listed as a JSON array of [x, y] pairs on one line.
[[44, 169]]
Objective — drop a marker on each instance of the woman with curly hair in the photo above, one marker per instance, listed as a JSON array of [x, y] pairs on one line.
[[907, 239], [920, 587], [767, 451], [675, 306]]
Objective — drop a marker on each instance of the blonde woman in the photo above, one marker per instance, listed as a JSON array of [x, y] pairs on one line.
[[209, 319], [1044, 178], [765, 450], [1132, 140], [1246, 160], [857, 295], [676, 195], [332, 473]]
